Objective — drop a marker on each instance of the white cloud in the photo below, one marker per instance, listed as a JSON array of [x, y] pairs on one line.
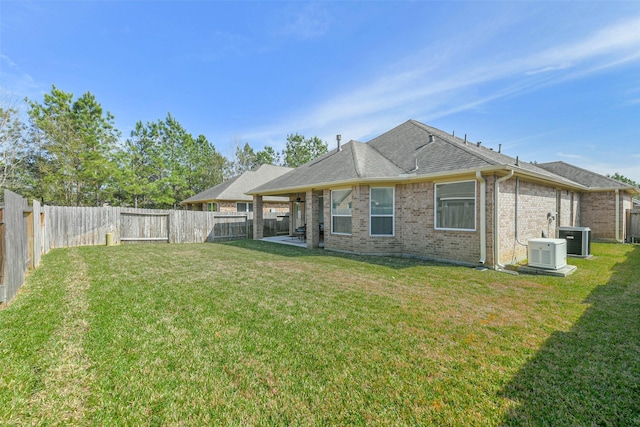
[[305, 20], [609, 168], [8, 61], [549, 68], [432, 90], [570, 156], [16, 83], [425, 92]]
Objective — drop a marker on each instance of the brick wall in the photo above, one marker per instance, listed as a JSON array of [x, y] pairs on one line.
[[226, 206], [414, 228], [598, 212], [569, 208], [534, 203], [415, 203], [360, 240], [279, 207], [416, 235]]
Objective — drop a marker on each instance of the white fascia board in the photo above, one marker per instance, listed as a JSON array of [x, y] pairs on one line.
[[408, 178]]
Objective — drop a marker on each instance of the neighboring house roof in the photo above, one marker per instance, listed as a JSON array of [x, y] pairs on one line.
[[235, 188], [585, 177], [408, 151]]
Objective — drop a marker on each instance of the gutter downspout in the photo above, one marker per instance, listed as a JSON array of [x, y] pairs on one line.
[[516, 218], [618, 239], [483, 218], [496, 217]]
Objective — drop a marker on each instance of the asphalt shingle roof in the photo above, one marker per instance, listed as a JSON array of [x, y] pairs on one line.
[[355, 160], [396, 153], [235, 188], [585, 177], [447, 153]]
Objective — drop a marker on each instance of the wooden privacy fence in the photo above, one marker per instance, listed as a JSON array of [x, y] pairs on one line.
[[20, 243], [85, 226], [144, 227], [28, 232], [634, 226]]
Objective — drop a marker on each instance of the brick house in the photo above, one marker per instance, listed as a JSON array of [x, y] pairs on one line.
[[418, 191], [230, 196]]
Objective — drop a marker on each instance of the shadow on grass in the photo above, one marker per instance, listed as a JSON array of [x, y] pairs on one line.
[[295, 251], [589, 375]]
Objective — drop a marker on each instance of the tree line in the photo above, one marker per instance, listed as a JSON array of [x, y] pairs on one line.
[[68, 152]]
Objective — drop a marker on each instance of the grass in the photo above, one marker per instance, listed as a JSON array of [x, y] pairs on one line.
[[252, 333]]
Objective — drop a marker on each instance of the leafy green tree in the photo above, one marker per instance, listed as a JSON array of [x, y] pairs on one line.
[[300, 150], [619, 177], [206, 165], [268, 156], [138, 170], [622, 178], [245, 159], [14, 149], [175, 143], [98, 137], [162, 164], [75, 162]]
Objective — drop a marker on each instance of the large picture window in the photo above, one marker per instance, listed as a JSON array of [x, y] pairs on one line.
[[381, 219], [244, 207], [456, 205], [341, 203]]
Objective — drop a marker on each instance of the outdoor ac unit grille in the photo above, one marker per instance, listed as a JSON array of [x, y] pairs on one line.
[[578, 240], [548, 253]]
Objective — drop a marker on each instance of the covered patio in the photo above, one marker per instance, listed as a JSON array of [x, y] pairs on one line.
[[307, 213], [291, 240]]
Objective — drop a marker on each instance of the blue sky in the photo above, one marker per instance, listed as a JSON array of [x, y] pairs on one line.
[[547, 80]]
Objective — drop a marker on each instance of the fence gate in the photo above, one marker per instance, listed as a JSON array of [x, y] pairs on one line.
[[229, 227], [634, 226], [16, 255], [136, 227], [282, 225]]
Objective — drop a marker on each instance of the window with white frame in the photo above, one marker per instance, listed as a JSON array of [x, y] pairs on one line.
[[456, 205], [244, 207], [341, 204], [381, 212]]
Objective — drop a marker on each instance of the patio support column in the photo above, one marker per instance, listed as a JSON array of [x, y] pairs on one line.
[[312, 204], [292, 221], [258, 218]]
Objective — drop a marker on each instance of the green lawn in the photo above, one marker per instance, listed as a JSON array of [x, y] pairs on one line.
[[253, 333]]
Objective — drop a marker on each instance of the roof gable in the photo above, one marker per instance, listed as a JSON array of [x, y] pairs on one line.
[[409, 150], [355, 160], [585, 177], [235, 188], [410, 144]]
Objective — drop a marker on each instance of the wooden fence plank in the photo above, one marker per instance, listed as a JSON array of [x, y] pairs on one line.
[[15, 245], [82, 226], [26, 233]]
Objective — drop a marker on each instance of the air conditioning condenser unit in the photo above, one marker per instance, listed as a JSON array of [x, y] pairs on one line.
[[578, 240], [548, 253]]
